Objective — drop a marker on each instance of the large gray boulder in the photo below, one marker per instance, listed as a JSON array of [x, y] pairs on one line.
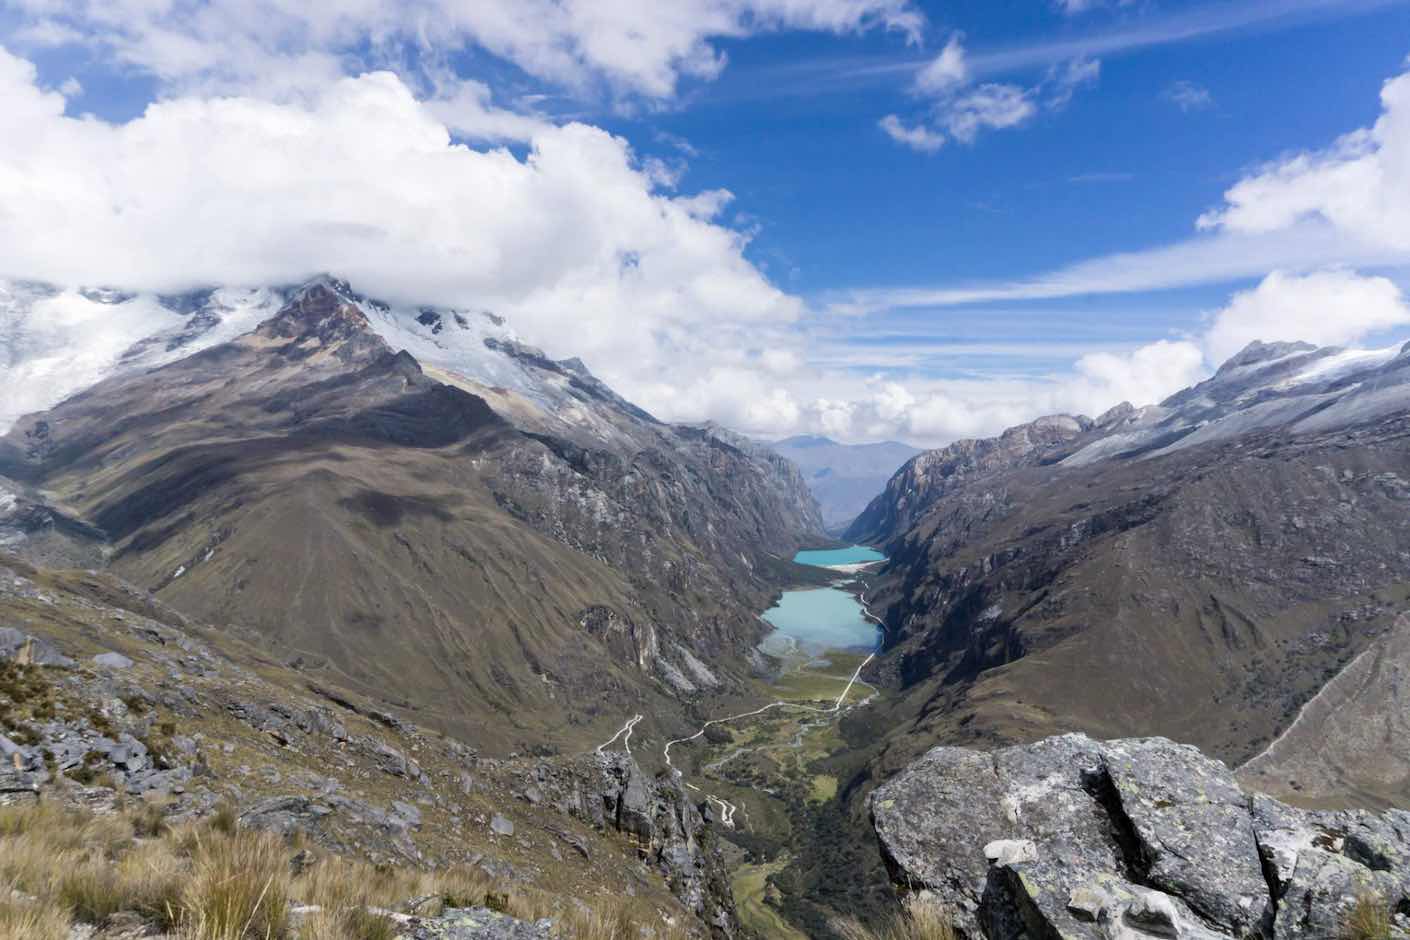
[[1075, 838], [15, 644]]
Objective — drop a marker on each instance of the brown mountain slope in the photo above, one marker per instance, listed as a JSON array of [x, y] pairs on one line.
[[1202, 597], [513, 576], [1200, 592]]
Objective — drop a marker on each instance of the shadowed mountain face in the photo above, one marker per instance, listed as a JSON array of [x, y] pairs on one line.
[[844, 477], [1199, 570], [437, 514]]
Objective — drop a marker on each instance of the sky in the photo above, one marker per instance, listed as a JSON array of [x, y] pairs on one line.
[[870, 219]]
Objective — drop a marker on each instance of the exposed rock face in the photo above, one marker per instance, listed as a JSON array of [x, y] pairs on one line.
[[1074, 838], [611, 791], [477, 924], [927, 477]]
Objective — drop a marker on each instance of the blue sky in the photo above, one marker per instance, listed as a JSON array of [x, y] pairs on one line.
[[831, 290]]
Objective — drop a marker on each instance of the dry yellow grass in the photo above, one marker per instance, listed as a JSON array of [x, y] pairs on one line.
[[919, 920], [238, 889], [215, 881], [32, 921], [1369, 919]]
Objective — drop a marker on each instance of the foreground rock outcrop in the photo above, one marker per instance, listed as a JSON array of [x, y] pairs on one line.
[[1071, 837]]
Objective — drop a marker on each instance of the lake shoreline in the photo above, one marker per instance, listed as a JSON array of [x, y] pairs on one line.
[[814, 618]]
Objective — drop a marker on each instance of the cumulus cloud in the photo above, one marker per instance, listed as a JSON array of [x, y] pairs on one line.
[[989, 106], [276, 45], [1326, 308], [945, 71], [1360, 185], [576, 238]]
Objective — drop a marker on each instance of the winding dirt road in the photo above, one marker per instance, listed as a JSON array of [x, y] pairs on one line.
[[728, 809]]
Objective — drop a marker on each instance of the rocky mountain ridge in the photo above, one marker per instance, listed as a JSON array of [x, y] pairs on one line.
[[1244, 542], [350, 471]]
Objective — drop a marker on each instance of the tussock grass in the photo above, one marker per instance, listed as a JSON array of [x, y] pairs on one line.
[[239, 888], [919, 919], [1368, 919], [19, 921], [215, 881]]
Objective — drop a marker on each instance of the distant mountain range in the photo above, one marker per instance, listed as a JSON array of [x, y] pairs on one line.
[[844, 477]]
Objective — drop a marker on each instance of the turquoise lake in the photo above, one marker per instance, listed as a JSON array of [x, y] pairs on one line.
[[856, 555], [823, 618]]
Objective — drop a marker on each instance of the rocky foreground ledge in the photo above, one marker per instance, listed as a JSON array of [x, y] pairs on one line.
[[1130, 839]]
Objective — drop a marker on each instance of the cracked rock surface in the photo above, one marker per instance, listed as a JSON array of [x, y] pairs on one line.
[[1071, 837]]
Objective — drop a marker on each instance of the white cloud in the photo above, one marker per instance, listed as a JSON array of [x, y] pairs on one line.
[[1066, 80], [945, 71], [1188, 96], [274, 46], [1360, 186], [919, 137], [1326, 308], [960, 109], [576, 241], [1078, 7], [989, 106]]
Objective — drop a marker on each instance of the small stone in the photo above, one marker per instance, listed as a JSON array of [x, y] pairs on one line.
[[405, 811], [1087, 903], [1005, 852], [1154, 910], [501, 826]]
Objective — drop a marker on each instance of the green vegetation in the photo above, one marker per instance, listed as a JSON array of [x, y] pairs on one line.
[[752, 894]]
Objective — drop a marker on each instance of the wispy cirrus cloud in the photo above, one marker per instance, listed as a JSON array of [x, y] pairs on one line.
[[1344, 206], [1202, 22]]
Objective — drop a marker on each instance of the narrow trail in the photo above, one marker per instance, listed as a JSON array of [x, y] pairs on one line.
[[625, 733], [1326, 688], [728, 809]]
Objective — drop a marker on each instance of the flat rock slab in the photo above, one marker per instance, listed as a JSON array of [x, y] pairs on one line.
[[1194, 830], [1129, 840], [479, 924]]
